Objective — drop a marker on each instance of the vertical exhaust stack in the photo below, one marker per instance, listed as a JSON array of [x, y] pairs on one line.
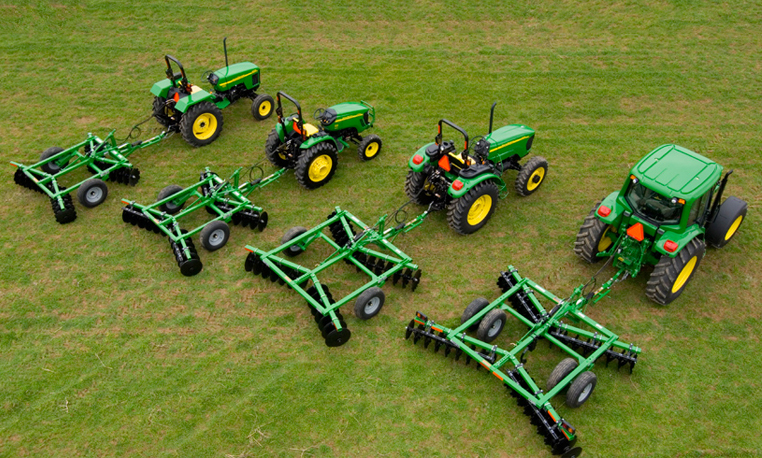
[[225, 50], [491, 117]]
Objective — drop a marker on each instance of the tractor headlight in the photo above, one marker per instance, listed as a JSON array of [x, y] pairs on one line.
[[213, 79]]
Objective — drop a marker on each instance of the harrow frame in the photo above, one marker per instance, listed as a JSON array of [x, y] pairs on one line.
[[227, 199], [519, 300], [352, 248], [103, 158]]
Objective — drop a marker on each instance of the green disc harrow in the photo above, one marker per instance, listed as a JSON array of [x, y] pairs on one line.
[[226, 199], [380, 262], [564, 325], [103, 158]]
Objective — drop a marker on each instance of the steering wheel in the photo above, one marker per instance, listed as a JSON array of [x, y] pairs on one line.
[[479, 155], [318, 114], [205, 75]]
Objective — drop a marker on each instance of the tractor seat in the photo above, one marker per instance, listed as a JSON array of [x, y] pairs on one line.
[[195, 88], [456, 160], [309, 129], [474, 170]]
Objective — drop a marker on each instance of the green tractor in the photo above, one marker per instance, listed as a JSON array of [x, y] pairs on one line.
[[469, 185], [312, 151], [668, 209], [196, 113]]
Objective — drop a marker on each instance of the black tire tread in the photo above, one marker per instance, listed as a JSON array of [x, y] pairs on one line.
[[588, 235], [457, 212], [186, 123], [271, 146], [522, 179], [659, 286], [302, 165]]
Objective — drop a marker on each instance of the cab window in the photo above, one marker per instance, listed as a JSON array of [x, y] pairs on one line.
[[652, 205], [699, 207]]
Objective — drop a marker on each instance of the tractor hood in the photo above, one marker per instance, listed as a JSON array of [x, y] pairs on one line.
[[515, 139], [344, 115], [243, 72], [674, 171]]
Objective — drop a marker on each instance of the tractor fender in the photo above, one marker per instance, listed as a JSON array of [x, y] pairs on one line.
[[315, 139], [280, 132], [681, 239], [610, 202], [199, 96], [422, 153], [469, 183], [161, 88]]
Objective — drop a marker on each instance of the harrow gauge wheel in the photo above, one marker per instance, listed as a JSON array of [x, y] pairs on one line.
[[262, 107], [369, 303], [92, 193], [531, 176], [317, 165], [564, 368], [581, 389], [294, 232], [52, 167], [215, 235], [476, 306], [170, 207], [201, 124], [491, 325], [369, 147]]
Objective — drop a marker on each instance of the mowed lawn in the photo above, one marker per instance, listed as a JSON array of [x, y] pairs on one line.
[[107, 350]]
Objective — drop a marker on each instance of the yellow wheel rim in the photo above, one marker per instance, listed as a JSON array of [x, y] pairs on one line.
[[733, 228], [371, 150], [204, 126], [536, 179], [605, 242], [265, 107], [684, 275], [479, 210], [320, 168]]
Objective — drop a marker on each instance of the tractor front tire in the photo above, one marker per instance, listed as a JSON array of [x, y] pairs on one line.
[[531, 176], [201, 124], [170, 207], [92, 193], [671, 275], [592, 237], [415, 184], [262, 107], [469, 213], [215, 235], [317, 165], [729, 217], [271, 150], [294, 232], [369, 147], [476, 306], [51, 167]]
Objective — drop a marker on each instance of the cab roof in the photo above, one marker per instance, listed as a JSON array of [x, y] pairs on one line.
[[674, 171]]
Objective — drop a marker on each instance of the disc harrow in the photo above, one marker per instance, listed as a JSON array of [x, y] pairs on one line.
[[584, 348], [226, 199], [103, 158], [353, 247]]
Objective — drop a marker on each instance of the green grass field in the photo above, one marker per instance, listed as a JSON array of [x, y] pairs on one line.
[[106, 350]]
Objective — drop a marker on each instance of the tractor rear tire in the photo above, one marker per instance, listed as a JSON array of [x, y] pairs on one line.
[[729, 217], [291, 234], [369, 303], [564, 368], [92, 193], [215, 235], [476, 306], [262, 107], [592, 237], [271, 150], [369, 148], [201, 124], [469, 213], [491, 326], [415, 183], [160, 111], [581, 389], [51, 167], [531, 176], [317, 165], [671, 275], [170, 207]]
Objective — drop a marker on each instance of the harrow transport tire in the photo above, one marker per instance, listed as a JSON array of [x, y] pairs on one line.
[[729, 217], [369, 147], [581, 389], [369, 303], [415, 184], [294, 232], [671, 275], [201, 124], [564, 368], [476, 306], [92, 193], [469, 213], [215, 235], [170, 207], [592, 237], [491, 325], [271, 150], [531, 176], [262, 107], [317, 165], [51, 167], [161, 112]]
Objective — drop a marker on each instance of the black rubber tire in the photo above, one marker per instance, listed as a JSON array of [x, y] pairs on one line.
[[215, 235], [721, 231], [369, 303], [491, 325], [189, 118], [476, 306], [51, 167], [271, 150], [562, 369], [526, 184], [324, 148], [457, 212], [291, 234], [170, 207], [578, 391], [92, 193], [362, 148], [589, 237], [258, 110], [160, 111], [414, 184], [666, 273]]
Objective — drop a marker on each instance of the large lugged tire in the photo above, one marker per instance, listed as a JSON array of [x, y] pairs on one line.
[[271, 150], [671, 275], [160, 111], [262, 107], [592, 237], [531, 176], [52, 167], [414, 188], [201, 124], [170, 207], [469, 213], [317, 165], [729, 217], [369, 147]]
